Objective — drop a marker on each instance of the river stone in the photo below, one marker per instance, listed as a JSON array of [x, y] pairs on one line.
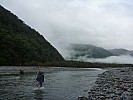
[[111, 84]]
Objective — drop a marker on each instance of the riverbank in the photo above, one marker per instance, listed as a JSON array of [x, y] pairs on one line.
[[115, 84], [75, 64], [80, 64]]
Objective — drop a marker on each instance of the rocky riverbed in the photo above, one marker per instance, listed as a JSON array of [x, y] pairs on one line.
[[115, 84]]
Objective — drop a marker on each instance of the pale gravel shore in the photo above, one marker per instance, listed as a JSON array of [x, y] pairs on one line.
[[14, 70], [114, 84]]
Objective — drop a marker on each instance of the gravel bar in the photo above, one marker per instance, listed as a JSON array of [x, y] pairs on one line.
[[114, 84]]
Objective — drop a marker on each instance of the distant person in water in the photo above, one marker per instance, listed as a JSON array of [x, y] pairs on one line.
[[40, 78], [21, 72]]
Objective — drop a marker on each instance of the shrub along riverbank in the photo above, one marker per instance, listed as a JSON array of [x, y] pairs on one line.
[[76, 64], [79, 64]]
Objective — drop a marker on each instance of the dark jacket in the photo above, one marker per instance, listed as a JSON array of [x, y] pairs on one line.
[[40, 77]]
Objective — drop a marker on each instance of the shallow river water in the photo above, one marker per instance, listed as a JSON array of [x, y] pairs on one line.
[[60, 83]]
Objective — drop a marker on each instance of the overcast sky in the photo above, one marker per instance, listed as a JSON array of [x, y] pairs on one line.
[[103, 23]]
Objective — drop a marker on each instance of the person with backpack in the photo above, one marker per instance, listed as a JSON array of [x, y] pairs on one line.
[[40, 78]]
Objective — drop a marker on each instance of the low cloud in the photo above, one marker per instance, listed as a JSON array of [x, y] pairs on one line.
[[124, 59]]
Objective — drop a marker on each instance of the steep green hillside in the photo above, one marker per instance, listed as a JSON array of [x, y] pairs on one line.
[[88, 51], [22, 45]]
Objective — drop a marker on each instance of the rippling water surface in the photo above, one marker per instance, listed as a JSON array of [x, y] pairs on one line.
[[60, 83]]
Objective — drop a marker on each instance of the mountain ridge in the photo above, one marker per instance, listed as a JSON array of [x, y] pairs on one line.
[[88, 51], [22, 45], [121, 51], [85, 51]]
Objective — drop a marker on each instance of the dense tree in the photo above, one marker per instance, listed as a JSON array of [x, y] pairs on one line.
[[22, 45]]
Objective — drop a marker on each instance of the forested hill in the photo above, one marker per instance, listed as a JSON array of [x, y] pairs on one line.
[[22, 45], [81, 51]]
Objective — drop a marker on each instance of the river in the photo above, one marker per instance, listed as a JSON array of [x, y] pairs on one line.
[[60, 83]]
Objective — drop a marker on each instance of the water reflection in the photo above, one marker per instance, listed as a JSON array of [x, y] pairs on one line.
[[38, 94]]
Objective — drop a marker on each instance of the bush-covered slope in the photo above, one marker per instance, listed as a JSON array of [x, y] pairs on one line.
[[22, 45]]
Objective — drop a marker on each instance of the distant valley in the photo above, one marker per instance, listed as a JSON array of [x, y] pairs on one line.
[[22, 45]]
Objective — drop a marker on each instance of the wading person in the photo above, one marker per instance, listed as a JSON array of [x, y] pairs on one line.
[[21, 72], [40, 78]]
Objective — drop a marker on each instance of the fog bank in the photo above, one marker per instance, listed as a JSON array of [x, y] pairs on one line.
[[124, 59]]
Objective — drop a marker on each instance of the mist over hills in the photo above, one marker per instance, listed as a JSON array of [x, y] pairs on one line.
[[88, 51], [22, 45], [91, 53], [119, 52]]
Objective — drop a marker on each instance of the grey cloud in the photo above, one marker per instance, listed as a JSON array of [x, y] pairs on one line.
[[105, 23]]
